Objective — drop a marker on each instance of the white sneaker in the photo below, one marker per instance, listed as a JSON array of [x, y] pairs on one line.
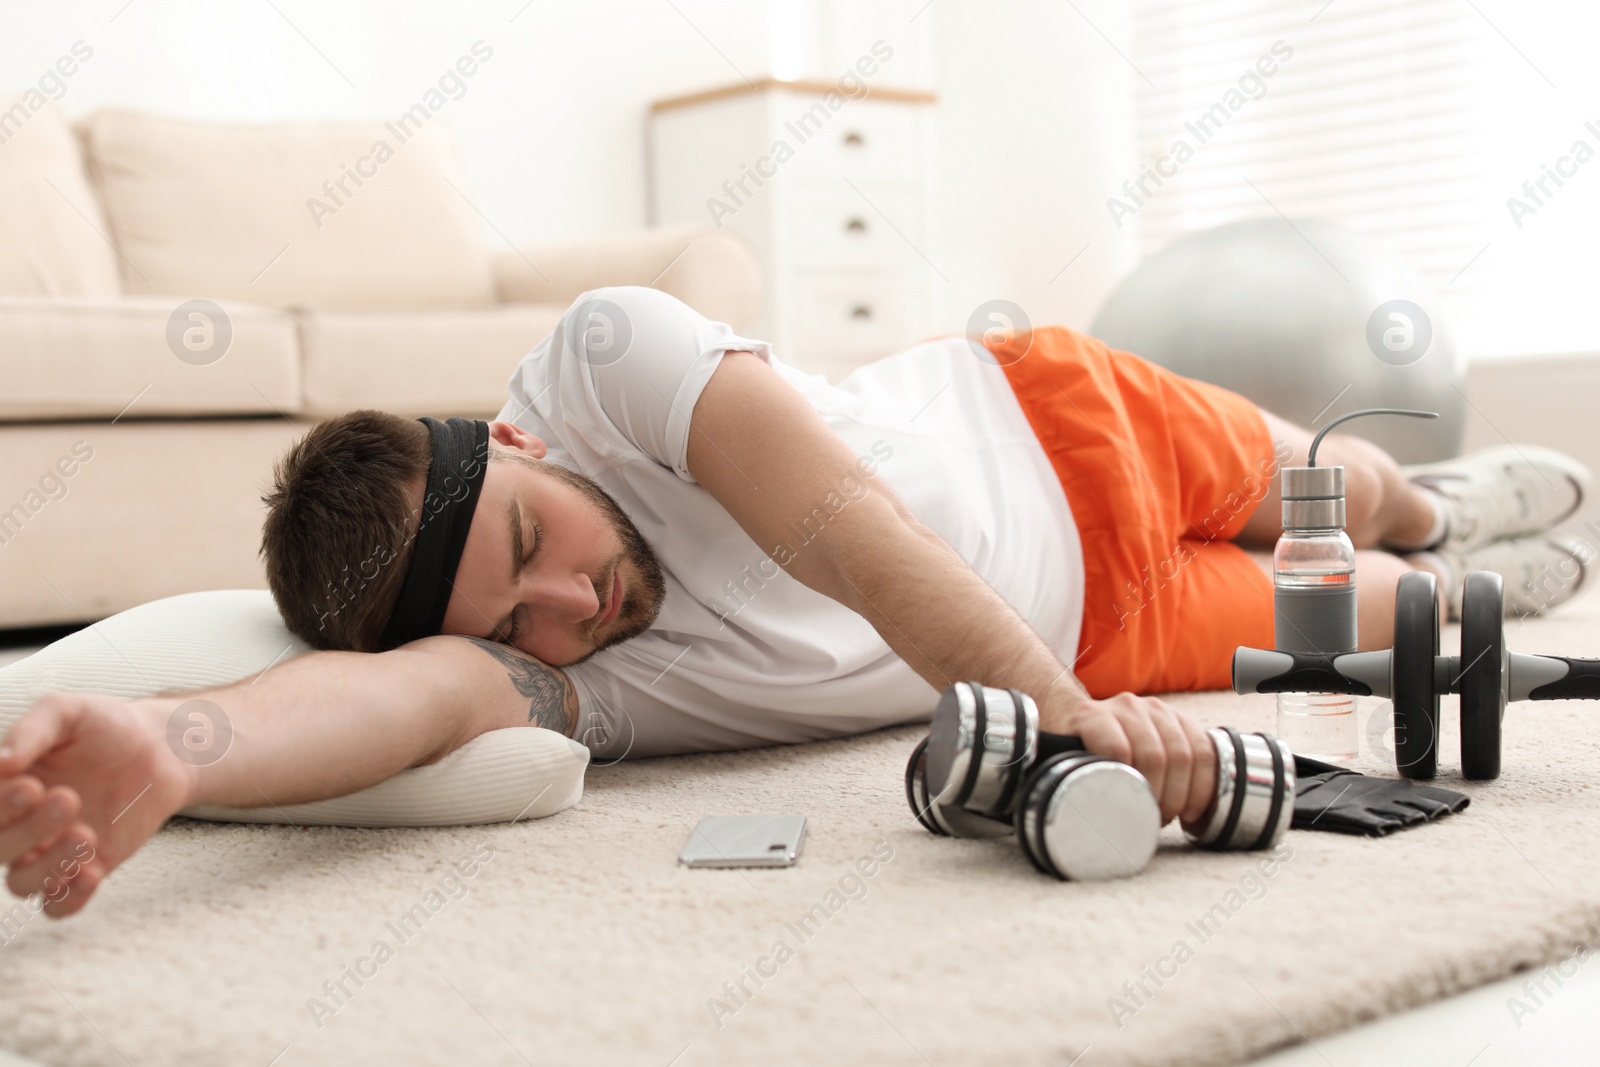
[[1539, 572], [1502, 492]]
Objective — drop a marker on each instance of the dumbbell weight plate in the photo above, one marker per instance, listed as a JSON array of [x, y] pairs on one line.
[[1025, 819], [1254, 801], [980, 743], [1042, 777], [1086, 818], [940, 818], [1484, 674], [1412, 693]]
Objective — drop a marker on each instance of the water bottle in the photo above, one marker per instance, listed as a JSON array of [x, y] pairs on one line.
[[1314, 596], [1314, 607]]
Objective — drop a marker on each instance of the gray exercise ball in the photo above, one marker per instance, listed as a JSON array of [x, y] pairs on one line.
[[1308, 319]]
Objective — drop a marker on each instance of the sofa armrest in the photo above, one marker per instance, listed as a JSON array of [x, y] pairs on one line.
[[713, 271]]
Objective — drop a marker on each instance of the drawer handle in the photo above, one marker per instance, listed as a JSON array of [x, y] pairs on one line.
[[861, 312], [856, 225], [853, 139]]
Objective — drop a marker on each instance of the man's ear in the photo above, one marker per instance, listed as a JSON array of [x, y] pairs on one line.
[[511, 435]]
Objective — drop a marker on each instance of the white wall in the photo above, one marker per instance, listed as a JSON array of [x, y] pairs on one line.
[[1035, 115], [1036, 122], [551, 128]]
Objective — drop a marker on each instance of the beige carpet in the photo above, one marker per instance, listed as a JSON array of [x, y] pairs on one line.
[[579, 940]]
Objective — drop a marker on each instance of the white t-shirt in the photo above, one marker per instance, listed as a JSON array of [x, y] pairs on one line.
[[742, 654]]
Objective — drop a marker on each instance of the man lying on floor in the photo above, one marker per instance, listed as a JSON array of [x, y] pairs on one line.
[[670, 541]]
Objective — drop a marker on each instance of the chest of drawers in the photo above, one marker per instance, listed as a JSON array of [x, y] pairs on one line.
[[831, 190]]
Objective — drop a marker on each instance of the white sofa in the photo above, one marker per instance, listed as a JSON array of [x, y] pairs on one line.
[[351, 269]]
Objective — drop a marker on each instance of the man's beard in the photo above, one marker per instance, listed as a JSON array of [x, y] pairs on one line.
[[641, 603]]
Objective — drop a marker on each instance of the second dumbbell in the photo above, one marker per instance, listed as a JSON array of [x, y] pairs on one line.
[[984, 742], [1081, 818]]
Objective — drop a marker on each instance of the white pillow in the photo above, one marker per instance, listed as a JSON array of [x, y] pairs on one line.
[[207, 639]]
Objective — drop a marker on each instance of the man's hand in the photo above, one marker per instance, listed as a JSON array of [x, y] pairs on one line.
[[84, 781], [1162, 742]]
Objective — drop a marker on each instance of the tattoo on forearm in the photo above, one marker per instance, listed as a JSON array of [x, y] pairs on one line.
[[545, 688]]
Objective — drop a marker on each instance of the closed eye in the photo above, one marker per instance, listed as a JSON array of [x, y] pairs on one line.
[[515, 629], [509, 628], [538, 542]]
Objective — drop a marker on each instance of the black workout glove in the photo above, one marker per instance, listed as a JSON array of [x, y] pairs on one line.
[[1345, 802]]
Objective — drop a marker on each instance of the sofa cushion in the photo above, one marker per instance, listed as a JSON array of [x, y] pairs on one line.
[[325, 214], [418, 363], [53, 240], [716, 272], [96, 517], [82, 358]]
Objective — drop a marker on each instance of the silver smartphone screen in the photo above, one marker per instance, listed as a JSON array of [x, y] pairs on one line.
[[744, 841]]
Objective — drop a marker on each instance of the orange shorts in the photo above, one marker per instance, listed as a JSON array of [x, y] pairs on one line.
[[1160, 471]]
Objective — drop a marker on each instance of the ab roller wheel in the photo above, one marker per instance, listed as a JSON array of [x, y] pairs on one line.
[[986, 765], [1483, 675], [1413, 675], [1416, 701]]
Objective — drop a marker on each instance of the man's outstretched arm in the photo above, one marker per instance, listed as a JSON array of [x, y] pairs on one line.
[[765, 454], [87, 776]]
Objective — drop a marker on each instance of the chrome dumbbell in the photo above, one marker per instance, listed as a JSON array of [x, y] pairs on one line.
[[984, 742], [1081, 818], [1413, 675], [941, 819]]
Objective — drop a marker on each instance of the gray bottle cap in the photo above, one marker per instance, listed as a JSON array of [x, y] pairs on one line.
[[1313, 498]]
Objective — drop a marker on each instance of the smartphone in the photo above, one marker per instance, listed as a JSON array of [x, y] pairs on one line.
[[744, 841]]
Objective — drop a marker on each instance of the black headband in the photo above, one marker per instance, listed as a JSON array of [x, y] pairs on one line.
[[455, 478]]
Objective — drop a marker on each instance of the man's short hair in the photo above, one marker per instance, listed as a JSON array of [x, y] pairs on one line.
[[341, 526]]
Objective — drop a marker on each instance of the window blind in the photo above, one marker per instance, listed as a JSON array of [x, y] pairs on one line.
[[1412, 121]]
